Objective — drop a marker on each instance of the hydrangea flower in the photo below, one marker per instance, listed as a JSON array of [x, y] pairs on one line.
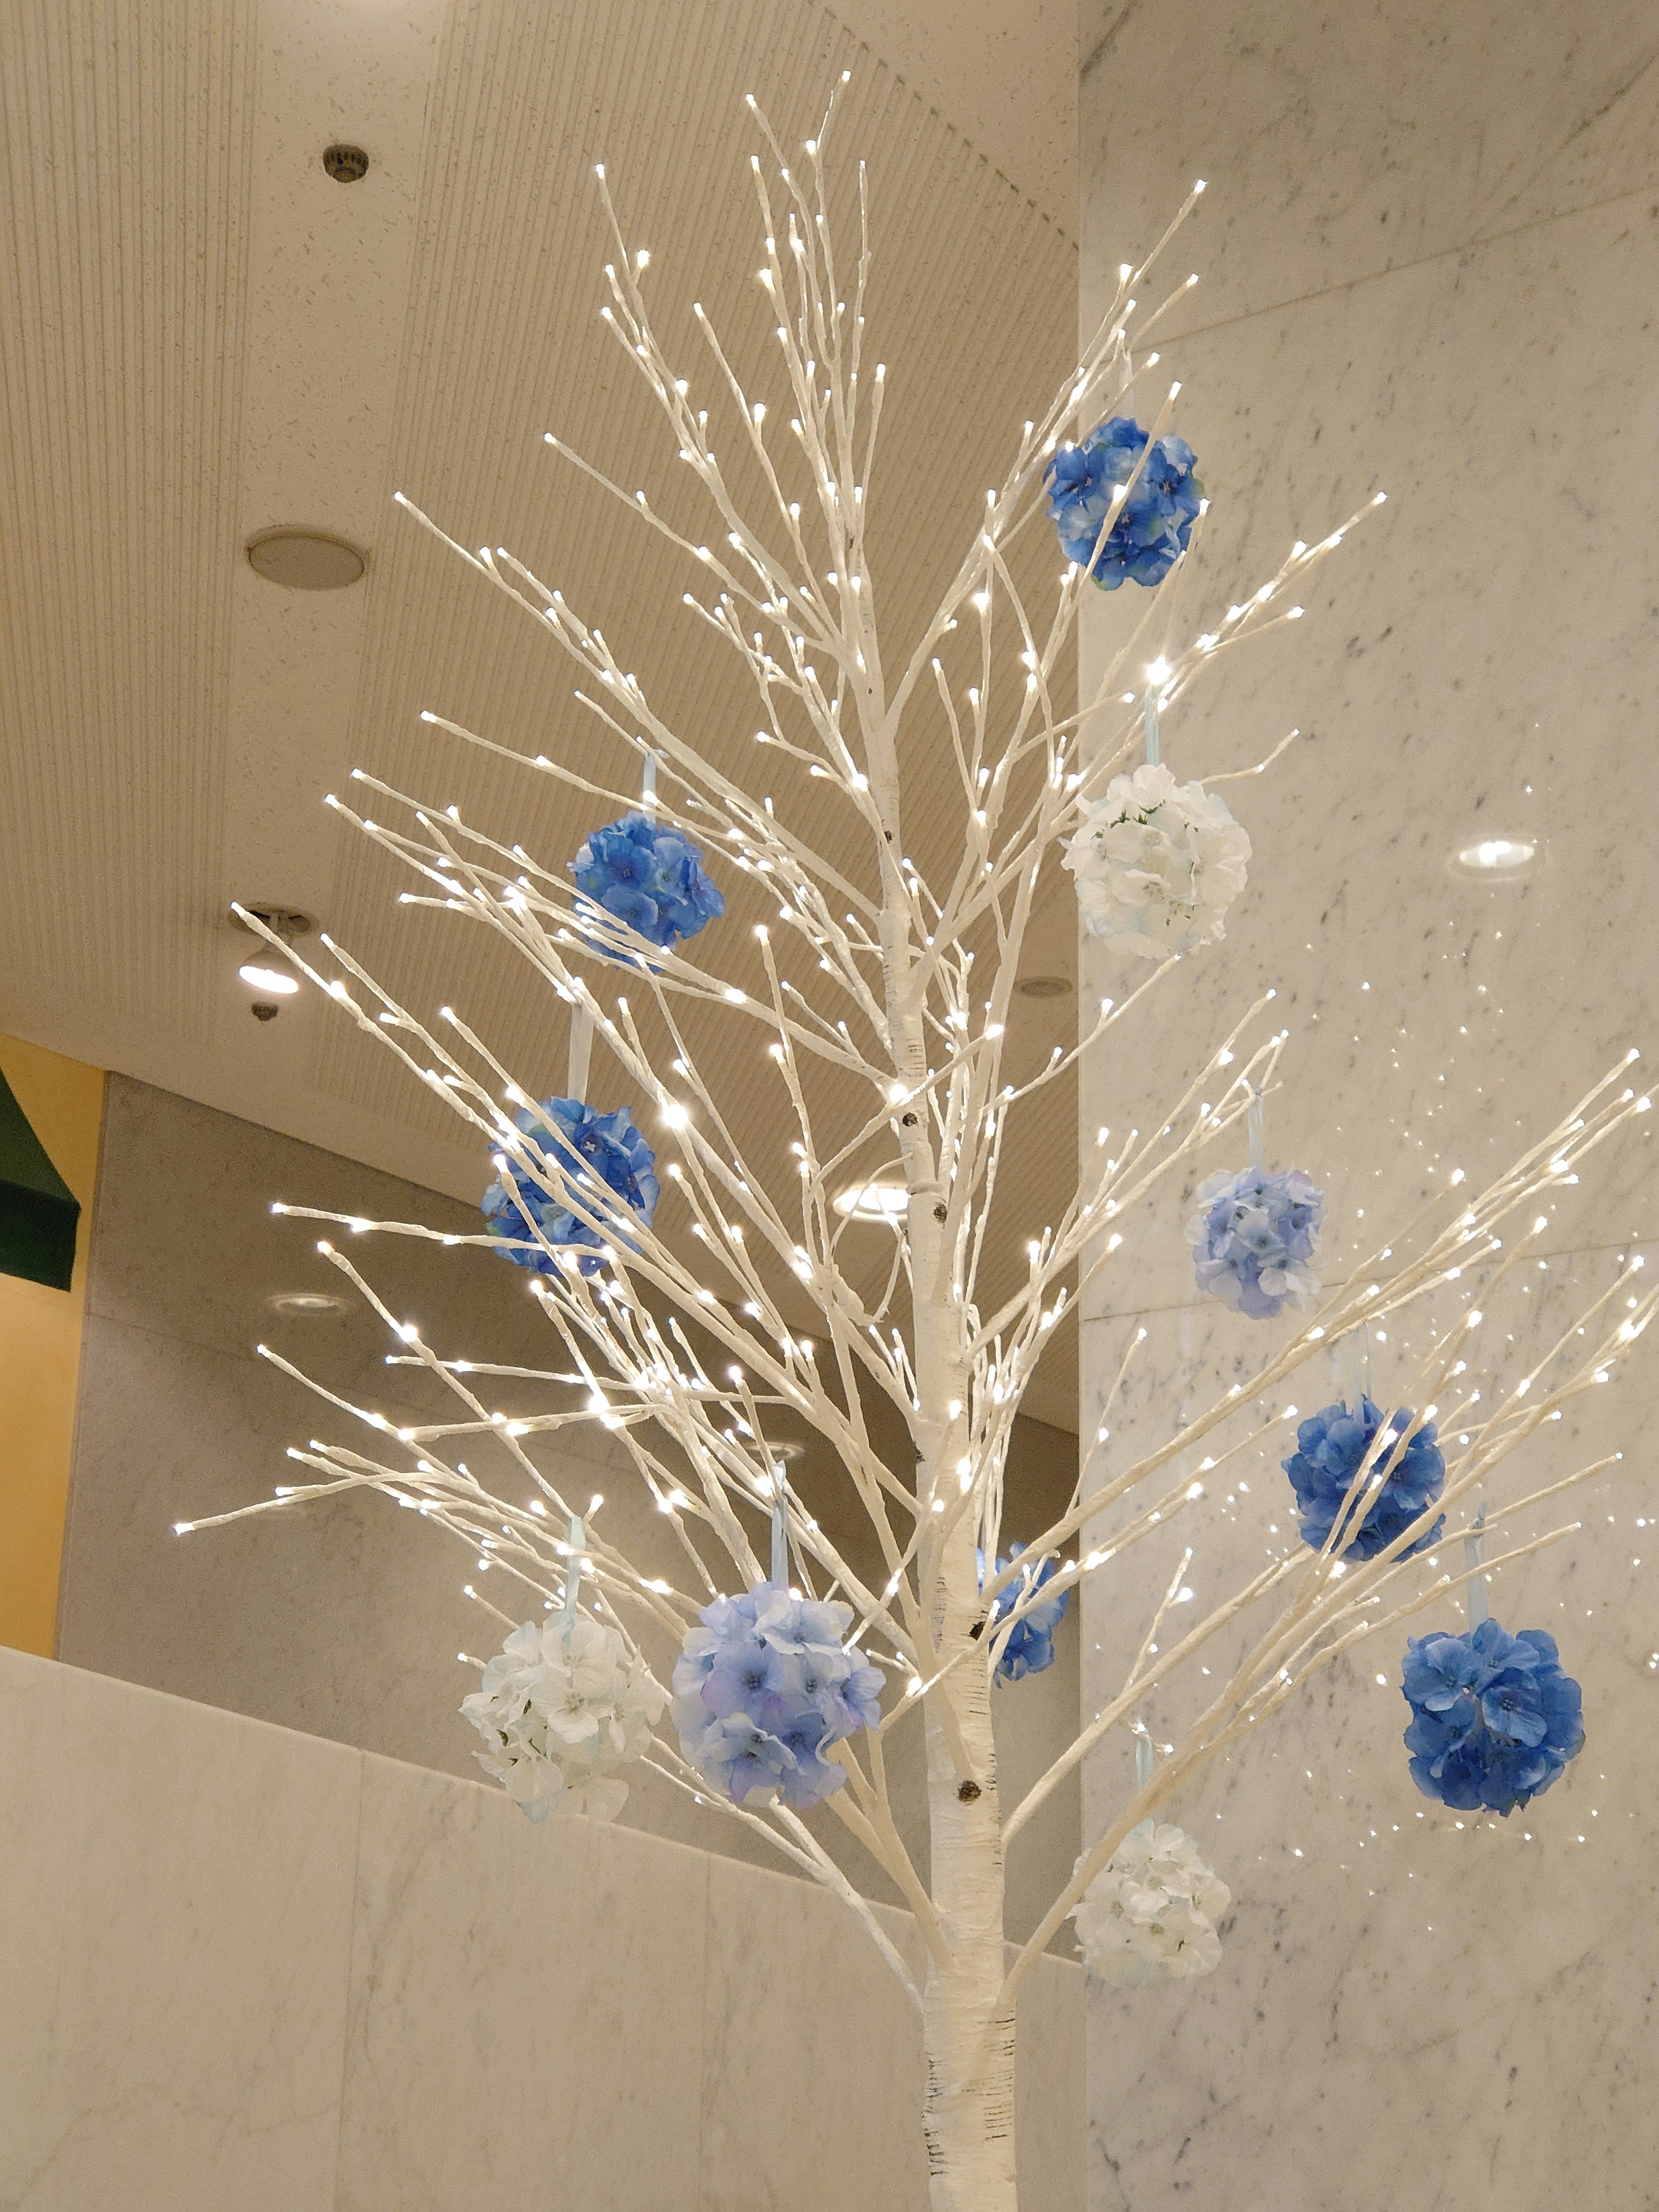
[[1494, 1717], [1158, 864], [762, 1687], [563, 1707], [1154, 523], [649, 875], [1030, 1645], [1150, 1914], [1252, 1237], [1330, 1447], [603, 1154]]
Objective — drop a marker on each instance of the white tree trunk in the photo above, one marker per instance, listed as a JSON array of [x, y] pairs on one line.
[[969, 2112]]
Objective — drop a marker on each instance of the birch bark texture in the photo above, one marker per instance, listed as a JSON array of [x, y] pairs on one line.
[[879, 996]]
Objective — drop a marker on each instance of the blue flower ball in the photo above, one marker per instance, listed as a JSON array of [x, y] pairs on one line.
[[1253, 1237], [1154, 523], [649, 876], [1494, 1717], [762, 1686], [1030, 1645], [1330, 1447], [603, 1154]]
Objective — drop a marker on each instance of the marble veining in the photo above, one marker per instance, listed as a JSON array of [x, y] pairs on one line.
[[244, 1966], [1413, 2007]]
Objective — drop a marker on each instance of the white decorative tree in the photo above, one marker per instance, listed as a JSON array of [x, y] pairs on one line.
[[878, 985]]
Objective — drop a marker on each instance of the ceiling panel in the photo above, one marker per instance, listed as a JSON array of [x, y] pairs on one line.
[[203, 336]]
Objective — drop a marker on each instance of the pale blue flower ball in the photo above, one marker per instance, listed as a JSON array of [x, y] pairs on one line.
[[1253, 1237], [605, 1155], [1154, 523], [762, 1687], [649, 875], [1495, 1717], [1030, 1643], [1330, 1445]]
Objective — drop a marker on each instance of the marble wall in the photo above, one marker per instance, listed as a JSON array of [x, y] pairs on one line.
[[245, 1967], [1428, 252], [345, 1619]]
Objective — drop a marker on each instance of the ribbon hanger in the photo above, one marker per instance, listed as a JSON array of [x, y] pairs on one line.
[[1357, 1361], [1475, 1592], [1146, 1757], [779, 1530], [572, 1579]]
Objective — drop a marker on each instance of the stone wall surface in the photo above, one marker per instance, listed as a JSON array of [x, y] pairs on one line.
[[1428, 252], [245, 1967]]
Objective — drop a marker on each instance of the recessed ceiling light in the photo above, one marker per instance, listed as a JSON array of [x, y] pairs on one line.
[[305, 1303], [1044, 987], [874, 1202], [305, 560], [274, 979], [1496, 856]]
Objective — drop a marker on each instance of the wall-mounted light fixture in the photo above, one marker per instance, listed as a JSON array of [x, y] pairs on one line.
[[874, 1202], [273, 984]]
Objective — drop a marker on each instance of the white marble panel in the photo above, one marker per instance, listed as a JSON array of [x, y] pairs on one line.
[[638, 2138], [1476, 657], [472, 1956], [244, 1966], [1048, 2075], [1340, 142], [175, 1916], [1410, 2010], [796, 1992]]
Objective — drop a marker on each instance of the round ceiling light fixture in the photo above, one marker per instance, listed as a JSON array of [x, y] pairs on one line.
[[305, 1305], [345, 164], [276, 980], [1495, 858], [1044, 987], [301, 559], [874, 1202]]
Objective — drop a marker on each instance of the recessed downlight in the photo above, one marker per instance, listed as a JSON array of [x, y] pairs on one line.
[[1493, 857], [305, 560], [306, 1305], [1044, 987], [874, 1202]]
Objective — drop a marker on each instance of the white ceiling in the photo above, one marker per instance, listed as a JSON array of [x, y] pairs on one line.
[[201, 335]]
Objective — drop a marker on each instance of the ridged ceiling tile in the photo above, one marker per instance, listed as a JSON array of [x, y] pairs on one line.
[[972, 305], [122, 296]]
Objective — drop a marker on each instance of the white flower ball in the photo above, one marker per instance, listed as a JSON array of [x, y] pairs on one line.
[[1158, 864], [561, 1715], [1150, 1914]]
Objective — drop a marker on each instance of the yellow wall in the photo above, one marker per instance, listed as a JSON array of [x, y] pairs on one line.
[[40, 1352]]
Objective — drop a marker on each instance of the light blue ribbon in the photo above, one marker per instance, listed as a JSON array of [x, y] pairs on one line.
[[779, 1535], [1258, 1140], [1357, 1348], [1475, 1592], [1145, 1759], [572, 1579]]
